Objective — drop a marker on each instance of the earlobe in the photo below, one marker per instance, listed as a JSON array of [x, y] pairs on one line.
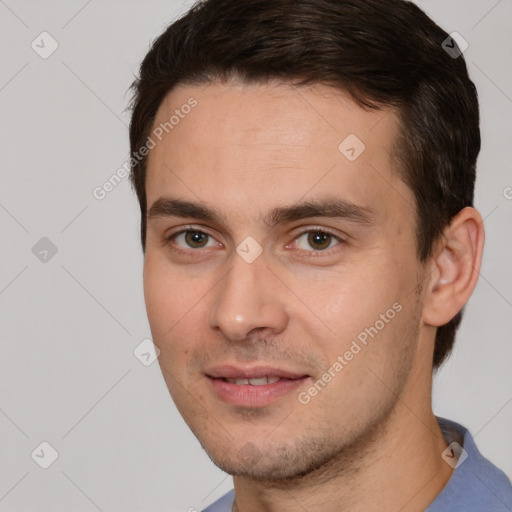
[[455, 268]]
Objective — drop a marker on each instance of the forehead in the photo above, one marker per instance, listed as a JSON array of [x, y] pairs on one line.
[[246, 145]]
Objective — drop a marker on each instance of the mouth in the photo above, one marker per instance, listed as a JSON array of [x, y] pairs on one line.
[[253, 387]]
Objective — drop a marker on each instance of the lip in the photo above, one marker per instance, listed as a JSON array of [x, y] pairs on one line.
[[251, 396], [248, 372]]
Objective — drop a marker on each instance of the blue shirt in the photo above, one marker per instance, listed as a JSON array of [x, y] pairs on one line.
[[476, 485]]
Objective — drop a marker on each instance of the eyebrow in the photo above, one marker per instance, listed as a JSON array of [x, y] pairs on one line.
[[328, 207]]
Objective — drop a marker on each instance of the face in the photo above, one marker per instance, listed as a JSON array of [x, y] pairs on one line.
[[280, 273]]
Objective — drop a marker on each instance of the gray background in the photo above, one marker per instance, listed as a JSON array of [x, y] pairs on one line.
[[69, 325]]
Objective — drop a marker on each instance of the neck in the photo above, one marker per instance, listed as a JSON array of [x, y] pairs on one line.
[[399, 467]]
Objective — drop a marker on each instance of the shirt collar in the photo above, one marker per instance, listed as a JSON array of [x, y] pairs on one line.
[[476, 484]]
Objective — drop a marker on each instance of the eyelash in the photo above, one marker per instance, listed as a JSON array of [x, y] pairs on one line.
[[314, 253]]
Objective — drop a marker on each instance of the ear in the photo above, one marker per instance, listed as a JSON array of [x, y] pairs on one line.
[[455, 268]]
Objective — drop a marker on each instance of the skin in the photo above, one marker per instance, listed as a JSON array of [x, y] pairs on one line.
[[369, 436]]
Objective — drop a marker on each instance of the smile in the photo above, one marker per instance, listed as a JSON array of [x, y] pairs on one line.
[[253, 387]]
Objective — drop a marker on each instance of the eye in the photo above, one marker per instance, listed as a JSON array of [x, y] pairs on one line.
[[316, 239], [192, 239]]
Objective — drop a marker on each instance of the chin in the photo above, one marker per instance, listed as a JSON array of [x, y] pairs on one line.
[[283, 463]]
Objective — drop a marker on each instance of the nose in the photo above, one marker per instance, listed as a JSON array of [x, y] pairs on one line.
[[248, 300]]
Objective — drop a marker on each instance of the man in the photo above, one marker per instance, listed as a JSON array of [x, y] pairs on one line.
[[305, 171]]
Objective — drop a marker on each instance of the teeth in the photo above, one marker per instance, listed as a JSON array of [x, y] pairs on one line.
[[260, 381]]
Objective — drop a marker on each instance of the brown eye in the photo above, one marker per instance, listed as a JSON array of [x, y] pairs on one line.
[[196, 239], [316, 241], [192, 239], [319, 240]]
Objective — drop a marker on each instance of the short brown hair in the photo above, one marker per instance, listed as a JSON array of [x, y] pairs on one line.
[[382, 52]]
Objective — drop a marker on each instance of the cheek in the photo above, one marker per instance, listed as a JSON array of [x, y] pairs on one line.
[[351, 299], [168, 302], [366, 304], [157, 295]]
